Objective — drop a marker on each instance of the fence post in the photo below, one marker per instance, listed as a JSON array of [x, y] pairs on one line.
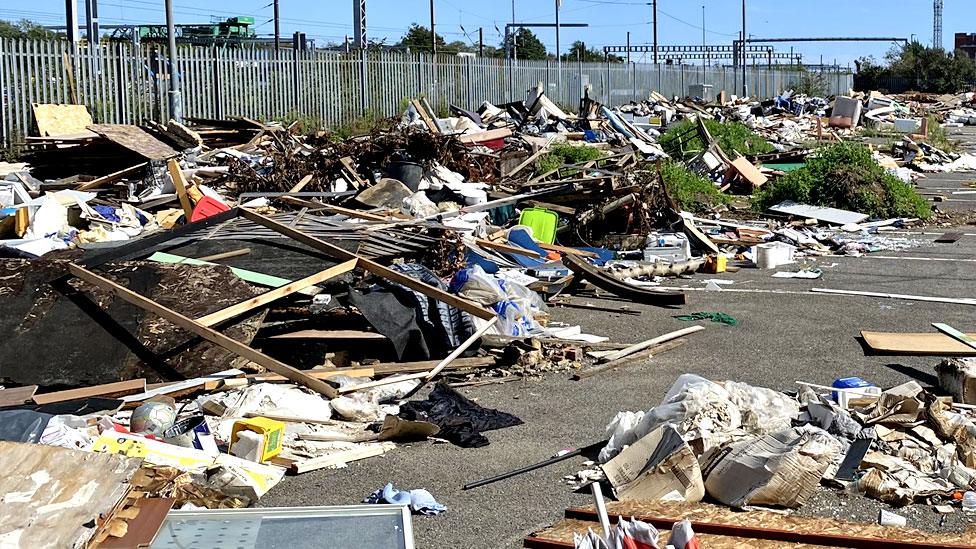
[[363, 86], [4, 131], [467, 76], [218, 111], [609, 86], [119, 86], [633, 79]]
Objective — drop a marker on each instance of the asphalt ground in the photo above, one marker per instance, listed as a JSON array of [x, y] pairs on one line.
[[785, 334]]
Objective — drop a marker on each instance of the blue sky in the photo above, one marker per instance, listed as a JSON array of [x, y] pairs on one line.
[[680, 21]]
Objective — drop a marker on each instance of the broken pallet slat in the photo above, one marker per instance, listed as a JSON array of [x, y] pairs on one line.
[[209, 334], [371, 266], [338, 458], [236, 310], [121, 388], [179, 182], [17, 396]]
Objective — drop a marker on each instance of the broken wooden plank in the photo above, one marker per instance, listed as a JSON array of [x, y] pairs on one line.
[[330, 335], [507, 248], [617, 355], [134, 139], [111, 178], [210, 335], [371, 266], [565, 250], [646, 354], [236, 310], [225, 255], [179, 182], [121, 388], [481, 137], [325, 373], [952, 300], [338, 458], [386, 368], [17, 396]]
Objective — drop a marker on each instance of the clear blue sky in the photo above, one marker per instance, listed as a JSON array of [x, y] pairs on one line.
[[680, 21]]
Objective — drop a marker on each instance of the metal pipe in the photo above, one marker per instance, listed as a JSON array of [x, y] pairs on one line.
[[655, 31], [559, 61], [745, 42], [277, 27], [433, 33], [175, 97]]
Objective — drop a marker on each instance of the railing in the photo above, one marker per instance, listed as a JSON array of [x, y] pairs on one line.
[[126, 85]]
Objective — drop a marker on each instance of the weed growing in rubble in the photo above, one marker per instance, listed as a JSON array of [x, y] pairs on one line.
[[682, 140], [564, 153], [846, 176], [939, 137], [692, 192]]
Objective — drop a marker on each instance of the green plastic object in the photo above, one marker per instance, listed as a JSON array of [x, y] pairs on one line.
[[543, 223]]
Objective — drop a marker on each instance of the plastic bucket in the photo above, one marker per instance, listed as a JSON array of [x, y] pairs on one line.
[[409, 173]]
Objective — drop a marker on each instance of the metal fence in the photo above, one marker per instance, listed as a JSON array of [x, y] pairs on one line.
[[123, 84]]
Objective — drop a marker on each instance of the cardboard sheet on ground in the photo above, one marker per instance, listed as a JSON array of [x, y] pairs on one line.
[[780, 470], [659, 466]]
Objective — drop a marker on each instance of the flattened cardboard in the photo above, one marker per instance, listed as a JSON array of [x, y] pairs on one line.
[[660, 465]]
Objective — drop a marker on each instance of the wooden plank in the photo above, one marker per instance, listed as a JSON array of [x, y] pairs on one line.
[[317, 374], [210, 335], [371, 266], [930, 299], [134, 139], [58, 120], [331, 334], [120, 388], [425, 116], [617, 355], [338, 458], [386, 381], [425, 366], [796, 534], [646, 354], [358, 181], [507, 248], [111, 178], [258, 301], [179, 182], [301, 184], [17, 396], [955, 334], [565, 250], [916, 344], [490, 135], [225, 255], [532, 158], [143, 528]]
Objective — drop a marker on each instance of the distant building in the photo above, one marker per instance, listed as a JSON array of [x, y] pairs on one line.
[[967, 43]]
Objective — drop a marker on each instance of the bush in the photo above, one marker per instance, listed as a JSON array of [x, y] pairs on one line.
[[846, 176], [563, 153], [690, 191], [732, 137]]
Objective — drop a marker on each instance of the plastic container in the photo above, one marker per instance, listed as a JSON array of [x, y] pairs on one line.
[[408, 173], [773, 254], [853, 387], [271, 431], [667, 247], [969, 502], [543, 223]]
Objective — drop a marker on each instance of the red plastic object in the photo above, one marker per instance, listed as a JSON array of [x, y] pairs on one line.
[[207, 207]]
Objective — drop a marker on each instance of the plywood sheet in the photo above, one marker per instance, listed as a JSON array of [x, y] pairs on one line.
[[52, 497], [143, 528], [135, 139], [916, 344], [58, 120], [827, 215], [16, 396]]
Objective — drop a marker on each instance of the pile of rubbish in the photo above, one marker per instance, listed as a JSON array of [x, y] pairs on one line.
[[748, 446], [264, 303]]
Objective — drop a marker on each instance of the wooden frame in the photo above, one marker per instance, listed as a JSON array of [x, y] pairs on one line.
[[202, 327]]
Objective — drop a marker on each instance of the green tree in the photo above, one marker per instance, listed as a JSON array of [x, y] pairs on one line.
[[932, 69], [528, 45], [579, 51], [418, 37], [25, 29]]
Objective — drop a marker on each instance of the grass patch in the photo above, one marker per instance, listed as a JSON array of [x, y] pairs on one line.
[[939, 137], [732, 137], [846, 176], [691, 191], [564, 153]]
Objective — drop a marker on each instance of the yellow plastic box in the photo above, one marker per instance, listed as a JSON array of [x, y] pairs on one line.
[[273, 432]]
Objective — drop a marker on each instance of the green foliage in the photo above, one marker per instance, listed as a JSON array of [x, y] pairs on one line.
[[579, 52], [419, 37], [924, 69], [846, 176], [25, 29], [813, 84], [939, 137], [528, 45], [564, 153], [692, 192], [732, 137]]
